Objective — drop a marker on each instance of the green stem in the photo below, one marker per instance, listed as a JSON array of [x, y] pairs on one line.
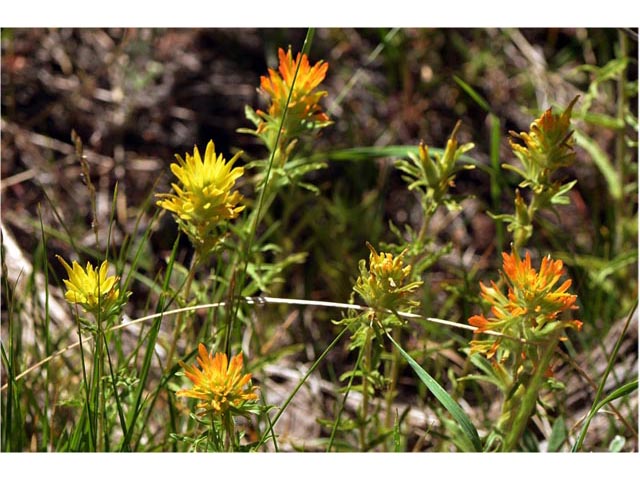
[[620, 147], [394, 371], [495, 183], [229, 428], [261, 199], [530, 397], [98, 385], [214, 439], [422, 234], [180, 320], [366, 368]]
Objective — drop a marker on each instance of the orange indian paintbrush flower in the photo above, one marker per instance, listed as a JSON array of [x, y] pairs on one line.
[[532, 303], [304, 101], [303, 111], [218, 384]]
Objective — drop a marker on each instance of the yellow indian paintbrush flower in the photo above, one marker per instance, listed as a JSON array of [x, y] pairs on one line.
[[91, 288], [204, 197], [383, 284], [532, 305], [218, 384], [548, 145]]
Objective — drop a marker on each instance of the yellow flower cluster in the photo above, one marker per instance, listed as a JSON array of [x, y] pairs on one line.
[[383, 284], [549, 144], [218, 384], [204, 197], [91, 288], [547, 147], [437, 175], [532, 304]]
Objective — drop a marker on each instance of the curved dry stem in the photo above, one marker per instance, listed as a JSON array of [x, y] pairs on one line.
[[249, 301]]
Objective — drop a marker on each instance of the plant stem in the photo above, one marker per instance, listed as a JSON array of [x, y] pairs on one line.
[[214, 439], [180, 320], [530, 397], [620, 147], [229, 428], [394, 371], [495, 183], [366, 368], [98, 385]]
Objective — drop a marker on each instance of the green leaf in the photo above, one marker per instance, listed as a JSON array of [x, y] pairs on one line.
[[473, 94], [252, 116], [372, 153], [603, 163], [444, 398], [616, 444], [558, 435], [396, 435], [617, 393], [559, 198]]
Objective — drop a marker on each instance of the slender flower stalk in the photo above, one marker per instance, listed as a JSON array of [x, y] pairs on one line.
[[548, 146], [97, 293]]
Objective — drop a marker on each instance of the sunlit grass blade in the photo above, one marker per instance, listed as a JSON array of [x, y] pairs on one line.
[[261, 199], [46, 333], [617, 393], [300, 384], [444, 398], [624, 390], [603, 163], [494, 154], [469, 90], [151, 343]]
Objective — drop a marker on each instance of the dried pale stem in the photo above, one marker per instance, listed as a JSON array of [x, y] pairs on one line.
[[250, 301]]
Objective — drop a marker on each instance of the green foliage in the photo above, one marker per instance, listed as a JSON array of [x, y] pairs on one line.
[[316, 190]]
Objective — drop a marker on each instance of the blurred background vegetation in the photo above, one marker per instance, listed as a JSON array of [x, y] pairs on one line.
[[138, 96]]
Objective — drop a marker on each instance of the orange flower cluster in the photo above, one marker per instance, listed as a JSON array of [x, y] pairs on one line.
[[532, 305], [303, 107], [220, 385]]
